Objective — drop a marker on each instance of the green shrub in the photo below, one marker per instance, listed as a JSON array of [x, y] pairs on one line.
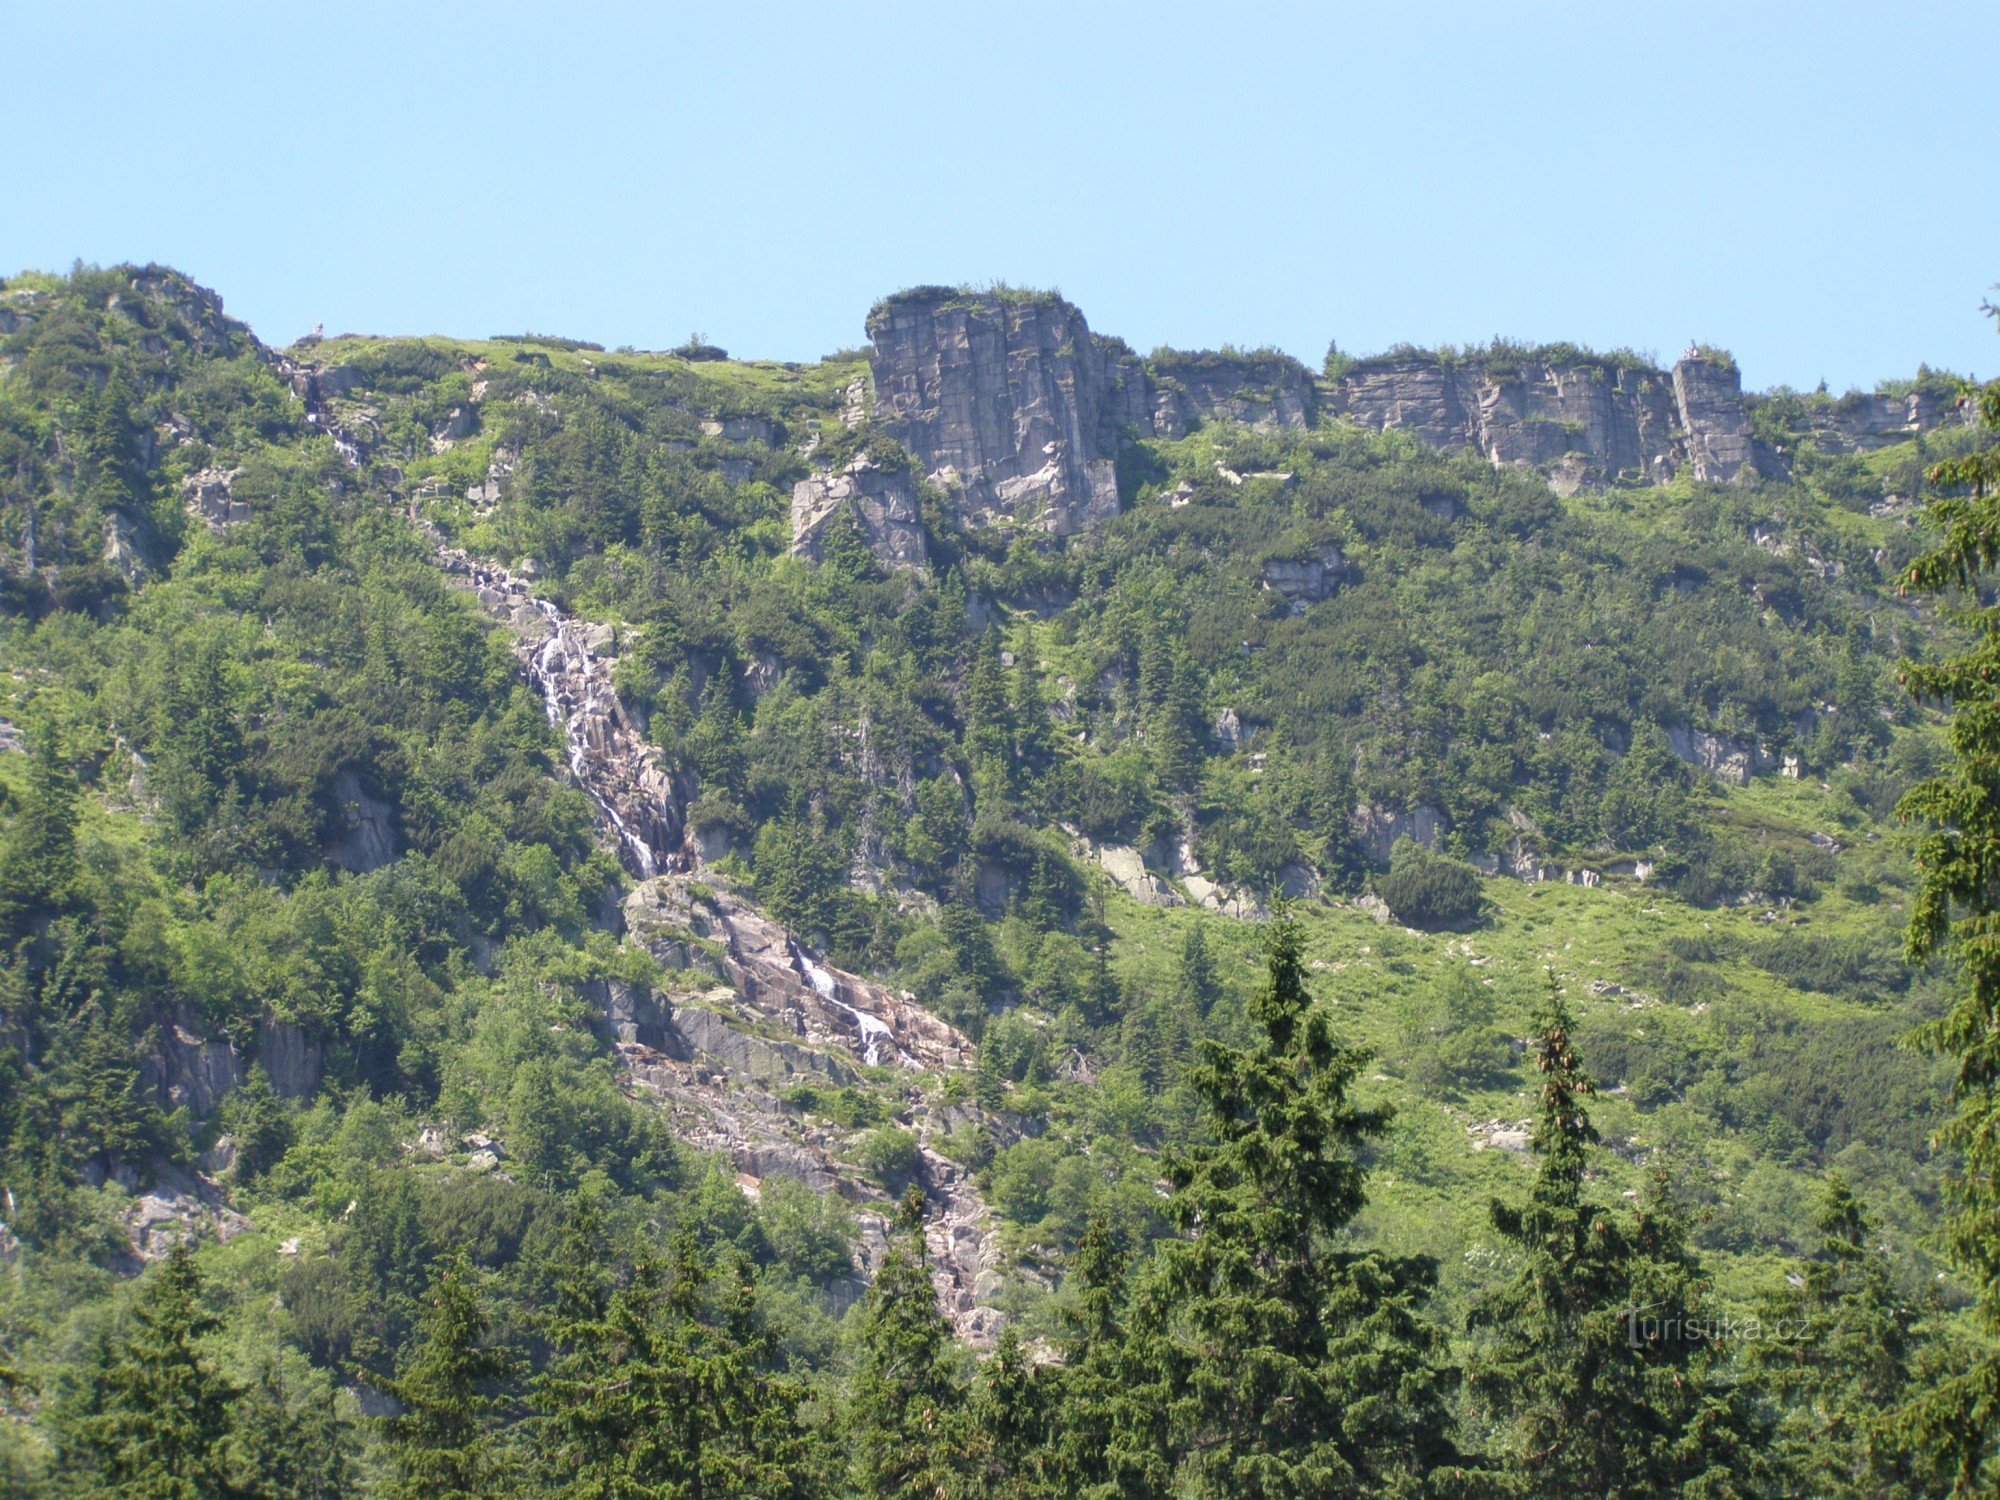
[[1427, 890], [889, 1154]]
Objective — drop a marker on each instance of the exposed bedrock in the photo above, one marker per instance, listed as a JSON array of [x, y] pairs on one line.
[[1015, 406], [1005, 400], [641, 798], [879, 501]]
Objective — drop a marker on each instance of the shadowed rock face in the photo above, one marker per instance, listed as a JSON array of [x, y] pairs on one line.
[[1265, 391], [367, 839], [188, 1070]]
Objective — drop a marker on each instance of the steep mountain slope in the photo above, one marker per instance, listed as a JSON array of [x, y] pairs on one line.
[[954, 711]]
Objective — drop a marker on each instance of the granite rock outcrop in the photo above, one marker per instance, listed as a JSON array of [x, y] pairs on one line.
[[1709, 396], [1863, 421], [1621, 418], [879, 499], [1305, 580], [1263, 390], [1007, 399]]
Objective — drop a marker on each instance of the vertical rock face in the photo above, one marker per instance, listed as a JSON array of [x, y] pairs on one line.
[[367, 838], [1264, 391], [1617, 418], [1709, 395], [1592, 419], [1378, 828], [1722, 756], [189, 1070], [1003, 396], [1012, 402], [1419, 395], [880, 501], [1862, 421]]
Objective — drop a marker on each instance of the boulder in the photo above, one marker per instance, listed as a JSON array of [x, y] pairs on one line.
[[1722, 756], [458, 425], [742, 429], [209, 497], [1127, 866]]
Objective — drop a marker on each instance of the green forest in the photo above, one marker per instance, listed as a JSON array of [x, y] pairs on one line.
[[1430, 985]]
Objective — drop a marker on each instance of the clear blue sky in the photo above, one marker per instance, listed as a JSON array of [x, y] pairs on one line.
[[1816, 186]]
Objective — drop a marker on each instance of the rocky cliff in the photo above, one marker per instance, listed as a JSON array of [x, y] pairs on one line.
[[1263, 390], [1011, 401], [1609, 418], [1007, 400], [1708, 395], [878, 499], [1013, 404], [1862, 421]]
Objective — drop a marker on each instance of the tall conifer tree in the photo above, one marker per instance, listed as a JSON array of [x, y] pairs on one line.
[[1264, 1358], [654, 1394], [1956, 917], [1601, 1372], [153, 1414], [1837, 1358], [906, 1404], [442, 1446]]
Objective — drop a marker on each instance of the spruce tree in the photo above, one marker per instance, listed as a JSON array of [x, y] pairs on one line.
[[151, 1418], [1599, 1372], [1956, 917], [654, 1395], [38, 857], [441, 1446], [290, 1441], [907, 1429], [1009, 1451], [1101, 1434], [1836, 1357], [1035, 738], [989, 729], [1264, 1358], [1195, 984]]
